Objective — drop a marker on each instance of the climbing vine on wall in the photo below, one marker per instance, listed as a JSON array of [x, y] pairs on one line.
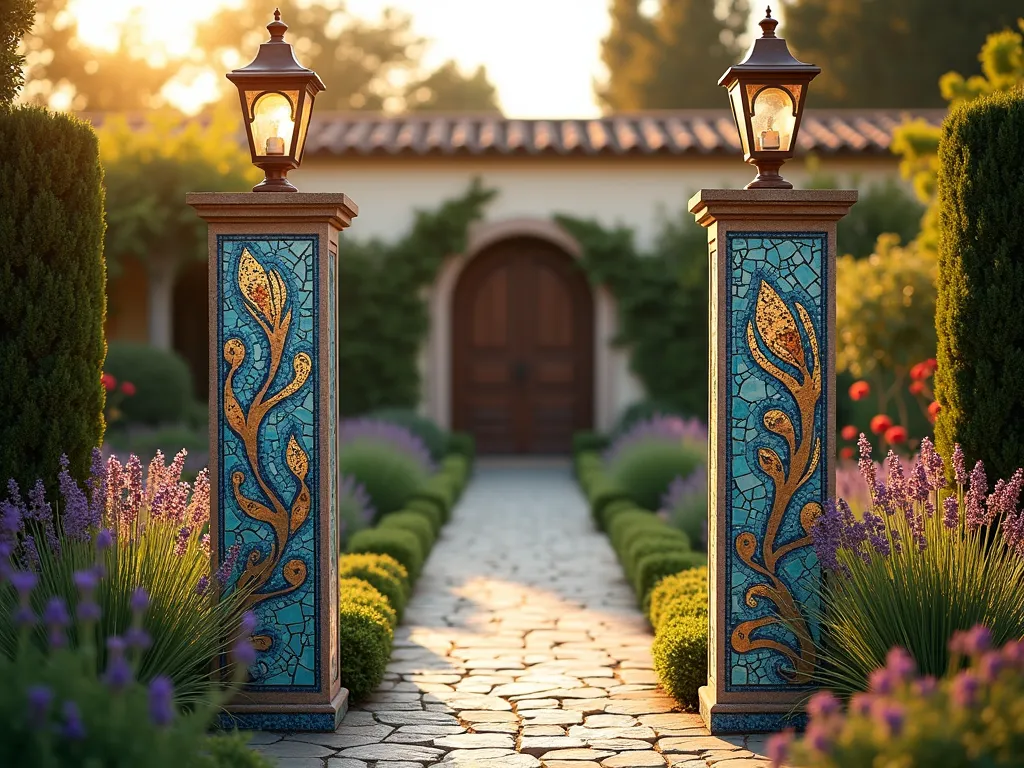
[[662, 299], [383, 319]]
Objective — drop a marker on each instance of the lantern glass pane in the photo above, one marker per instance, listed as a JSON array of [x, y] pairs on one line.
[[773, 120], [307, 109], [272, 125], [739, 111]]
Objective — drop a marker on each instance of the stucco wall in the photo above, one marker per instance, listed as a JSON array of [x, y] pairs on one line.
[[638, 192]]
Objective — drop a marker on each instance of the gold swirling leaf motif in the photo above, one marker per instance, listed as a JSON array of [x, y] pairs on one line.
[[777, 327], [266, 298]]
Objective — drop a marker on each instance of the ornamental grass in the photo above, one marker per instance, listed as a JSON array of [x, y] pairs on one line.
[[924, 561]]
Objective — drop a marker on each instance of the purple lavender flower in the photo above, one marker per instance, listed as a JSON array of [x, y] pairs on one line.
[[685, 505], [866, 463], [352, 491], [882, 681], [228, 566], [31, 552], [244, 652], [977, 640], [40, 511], [777, 747], [97, 484], [933, 465], [975, 498], [1013, 652], [248, 624], [925, 686], [57, 620], [199, 505], [86, 581], [816, 737], [161, 701], [874, 528], [664, 428], [204, 543], [991, 665], [104, 539], [964, 690], [115, 491], [139, 601], [88, 610], [181, 541], [39, 699], [400, 438], [134, 492], [889, 715], [137, 638], [950, 512], [827, 537], [119, 671], [77, 517], [74, 728], [900, 664], [24, 582], [895, 482], [823, 704], [203, 585], [959, 469], [861, 703]]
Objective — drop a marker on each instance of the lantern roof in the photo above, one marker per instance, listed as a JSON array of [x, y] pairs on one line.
[[276, 59], [769, 55]]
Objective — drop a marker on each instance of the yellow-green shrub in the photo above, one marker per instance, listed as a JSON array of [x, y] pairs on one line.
[[413, 522], [362, 592], [681, 594], [364, 637], [653, 568], [382, 572], [680, 652], [403, 545], [649, 543]]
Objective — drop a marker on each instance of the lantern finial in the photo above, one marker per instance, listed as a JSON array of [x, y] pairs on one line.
[[768, 24], [277, 28]]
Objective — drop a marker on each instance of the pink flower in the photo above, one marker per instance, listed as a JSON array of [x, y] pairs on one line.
[[823, 705], [127, 388], [108, 381]]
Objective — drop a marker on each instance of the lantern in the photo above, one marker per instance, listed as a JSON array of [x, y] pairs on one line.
[[277, 96], [767, 91]]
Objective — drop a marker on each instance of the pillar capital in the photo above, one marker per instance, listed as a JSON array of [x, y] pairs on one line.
[[771, 444]]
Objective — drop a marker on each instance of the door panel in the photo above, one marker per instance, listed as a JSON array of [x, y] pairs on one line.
[[522, 349]]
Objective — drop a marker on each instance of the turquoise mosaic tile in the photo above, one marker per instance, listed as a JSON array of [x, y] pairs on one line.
[[794, 265]]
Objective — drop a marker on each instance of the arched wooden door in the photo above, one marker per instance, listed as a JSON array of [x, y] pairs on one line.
[[522, 349]]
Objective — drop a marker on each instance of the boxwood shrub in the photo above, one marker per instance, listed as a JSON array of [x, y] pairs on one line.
[[681, 594], [462, 444], [654, 567], [365, 638], [413, 522], [680, 652], [625, 522], [425, 429], [402, 545], [614, 508], [383, 572], [583, 442], [650, 543], [363, 593], [430, 509]]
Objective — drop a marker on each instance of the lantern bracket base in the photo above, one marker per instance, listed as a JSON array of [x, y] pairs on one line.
[[276, 181], [768, 176]]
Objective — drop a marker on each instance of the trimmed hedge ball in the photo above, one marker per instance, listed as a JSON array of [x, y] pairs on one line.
[[402, 545], [382, 572], [652, 529], [365, 638], [653, 568], [680, 594], [649, 544], [430, 509], [363, 593], [680, 652], [413, 522]]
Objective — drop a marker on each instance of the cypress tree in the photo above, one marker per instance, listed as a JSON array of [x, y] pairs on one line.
[[979, 309]]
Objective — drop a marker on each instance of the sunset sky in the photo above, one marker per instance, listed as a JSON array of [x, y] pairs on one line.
[[541, 54]]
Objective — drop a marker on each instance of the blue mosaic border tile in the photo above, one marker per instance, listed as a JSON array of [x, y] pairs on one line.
[[319, 722], [761, 722]]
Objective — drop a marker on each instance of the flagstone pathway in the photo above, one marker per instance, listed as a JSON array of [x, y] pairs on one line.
[[522, 647]]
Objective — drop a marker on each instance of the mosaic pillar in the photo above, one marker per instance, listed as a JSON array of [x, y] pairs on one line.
[[273, 443], [772, 443]]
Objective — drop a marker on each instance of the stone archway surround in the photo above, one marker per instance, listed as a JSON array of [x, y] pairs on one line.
[[435, 362]]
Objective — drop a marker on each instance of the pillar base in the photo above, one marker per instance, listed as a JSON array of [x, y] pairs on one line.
[[315, 718], [724, 718]]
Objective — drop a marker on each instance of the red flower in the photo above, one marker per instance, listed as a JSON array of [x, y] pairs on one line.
[[916, 387], [128, 388], [896, 434], [919, 371], [933, 410], [880, 423], [932, 364], [109, 382], [859, 390], [849, 432], [846, 453]]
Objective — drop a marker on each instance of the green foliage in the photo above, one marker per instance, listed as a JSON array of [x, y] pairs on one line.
[[163, 383], [601, 494], [645, 468], [52, 280], [887, 59], [385, 319], [653, 542], [680, 652], [168, 440], [885, 305], [462, 444], [642, 410], [456, 468], [652, 568], [447, 89], [17, 17], [971, 718], [681, 594], [662, 299], [440, 490], [586, 442], [426, 430], [430, 509], [413, 522], [389, 476], [402, 545], [653, 62], [980, 317], [364, 638], [361, 592], [382, 572]]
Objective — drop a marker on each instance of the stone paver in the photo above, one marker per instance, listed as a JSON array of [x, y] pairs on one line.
[[521, 648]]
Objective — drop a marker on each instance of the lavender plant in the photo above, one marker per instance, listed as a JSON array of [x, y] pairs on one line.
[[645, 459], [685, 506], [59, 708], [388, 460], [971, 717], [137, 530], [923, 561], [355, 508]]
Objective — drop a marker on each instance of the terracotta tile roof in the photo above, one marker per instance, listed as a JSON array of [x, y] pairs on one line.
[[695, 132]]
